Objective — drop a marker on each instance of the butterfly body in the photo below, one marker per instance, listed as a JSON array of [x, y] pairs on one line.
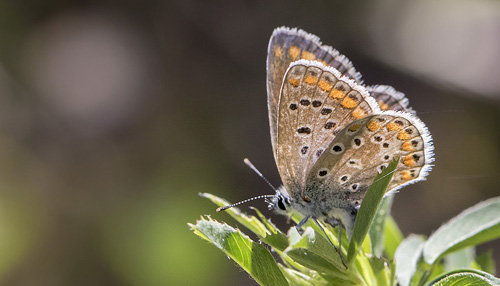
[[331, 208]]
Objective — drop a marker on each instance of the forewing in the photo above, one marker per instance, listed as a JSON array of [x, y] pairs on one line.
[[390, 99], [361, 150], [316, 103], [286, 46]]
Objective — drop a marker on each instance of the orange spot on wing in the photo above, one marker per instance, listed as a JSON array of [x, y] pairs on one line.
[[311, 80], [403, 135], [324, 85], [373, 125], [407, 146], [359, 113], [294, 82], [409, 161], [383, 105], [337, 94], [391, 126], [294, 52], [406, 175], [308, 56], [348, 102], [354, 128]]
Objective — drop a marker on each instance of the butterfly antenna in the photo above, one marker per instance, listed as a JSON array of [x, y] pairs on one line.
[[245, 201], [249, 164]]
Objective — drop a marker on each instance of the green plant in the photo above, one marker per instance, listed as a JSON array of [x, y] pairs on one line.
[[377, 253]]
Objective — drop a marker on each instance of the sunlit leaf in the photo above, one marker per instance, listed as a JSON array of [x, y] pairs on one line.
[[315, 252], [466, 278], [486, 262], [253, 257], [250, 222], [392, 237], [368, 208], [478, 224], [377, 229], [407, 256], [460, 259]]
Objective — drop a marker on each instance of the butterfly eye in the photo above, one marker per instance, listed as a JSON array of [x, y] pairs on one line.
[[281, 205]]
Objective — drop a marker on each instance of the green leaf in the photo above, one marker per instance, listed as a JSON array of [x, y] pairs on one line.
[[362, 265], [298, 278], [478, 224], [277, 239], [407, 257], [331, 280], [251, 256], [381, 273], [271, 227], [392, 237], [436, 271], [265, 230], [368, 208], [460, 259], [486, 263], [377, 229], [392, 273], [466, 278], [250, 222], [315, 252]]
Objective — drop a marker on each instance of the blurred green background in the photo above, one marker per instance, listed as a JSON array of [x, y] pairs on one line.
[[115, 114]]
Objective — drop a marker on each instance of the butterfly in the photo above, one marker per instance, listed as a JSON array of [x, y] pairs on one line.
[[331, 135]]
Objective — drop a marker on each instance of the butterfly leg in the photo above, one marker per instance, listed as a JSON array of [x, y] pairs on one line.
[[303, 221], [340, 247], [336, 249]]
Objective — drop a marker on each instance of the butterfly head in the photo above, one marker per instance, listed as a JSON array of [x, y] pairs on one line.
[[280, 202]]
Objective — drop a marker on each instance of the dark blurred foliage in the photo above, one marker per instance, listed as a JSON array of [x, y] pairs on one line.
[[115, 114]]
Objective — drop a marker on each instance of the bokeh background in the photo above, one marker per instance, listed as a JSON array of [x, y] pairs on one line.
[[115, 114]]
